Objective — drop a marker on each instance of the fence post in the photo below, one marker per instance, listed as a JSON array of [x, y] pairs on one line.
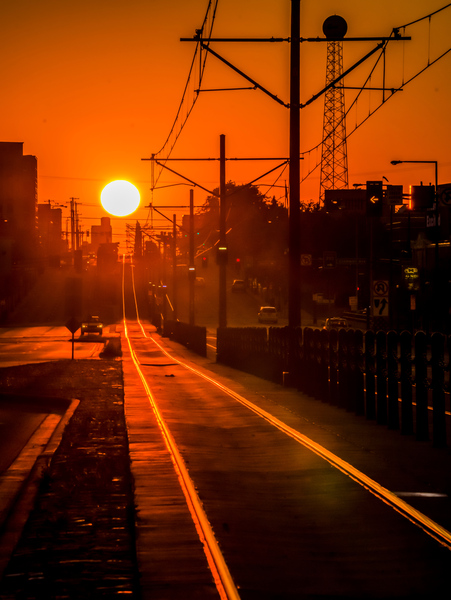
[[359, 373], [333, 360], [392, 380], [352, 368], [438, 391], [406, 383], [421, 387], [308, 384], [342, 368], [381, 375], [324, 364], [316, 364], [370, 387]]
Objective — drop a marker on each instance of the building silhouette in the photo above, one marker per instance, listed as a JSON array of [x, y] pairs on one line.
[[101, 234], [18, 205], [50, 233]]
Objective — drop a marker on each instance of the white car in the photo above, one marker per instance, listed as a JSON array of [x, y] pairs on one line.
[[267, 314]]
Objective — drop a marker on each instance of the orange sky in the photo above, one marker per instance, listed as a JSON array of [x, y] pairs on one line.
[[92, 86]]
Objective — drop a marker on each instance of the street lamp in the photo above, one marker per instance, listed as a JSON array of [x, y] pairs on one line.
[[431, 162]]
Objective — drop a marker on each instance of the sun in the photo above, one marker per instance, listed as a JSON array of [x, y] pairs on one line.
[[120, 198]]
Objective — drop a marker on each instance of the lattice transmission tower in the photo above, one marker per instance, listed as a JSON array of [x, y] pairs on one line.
[[334, 157]]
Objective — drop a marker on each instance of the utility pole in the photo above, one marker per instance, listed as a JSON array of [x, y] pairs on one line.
[[294, 236], [72, 223], [222, 249], [191, 267], [77, 229], [163, 282], [174, 266]]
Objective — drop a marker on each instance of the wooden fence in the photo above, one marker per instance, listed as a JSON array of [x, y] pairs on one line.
[[192, 336], [399, 380]]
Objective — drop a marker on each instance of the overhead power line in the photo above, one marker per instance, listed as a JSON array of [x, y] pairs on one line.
[[189, 97]]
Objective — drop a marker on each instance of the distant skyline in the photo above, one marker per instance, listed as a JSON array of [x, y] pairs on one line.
[[92, 87]]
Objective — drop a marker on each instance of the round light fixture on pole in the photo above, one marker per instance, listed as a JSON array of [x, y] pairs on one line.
[[335, 27]]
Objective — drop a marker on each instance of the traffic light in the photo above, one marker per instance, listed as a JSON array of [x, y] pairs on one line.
[[374, 198], [204, 262]]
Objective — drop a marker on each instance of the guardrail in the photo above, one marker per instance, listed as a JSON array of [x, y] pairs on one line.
[[399, 380]]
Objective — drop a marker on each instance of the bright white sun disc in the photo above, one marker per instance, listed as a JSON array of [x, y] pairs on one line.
[[120, 198]]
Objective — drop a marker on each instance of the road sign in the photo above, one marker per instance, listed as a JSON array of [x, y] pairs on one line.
[[306, 260], [73, 324], [444, 194], [380, 307], [379, 300], [380, 288]]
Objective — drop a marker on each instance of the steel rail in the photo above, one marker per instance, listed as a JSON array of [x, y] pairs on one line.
[[218, 567], [433, 529]]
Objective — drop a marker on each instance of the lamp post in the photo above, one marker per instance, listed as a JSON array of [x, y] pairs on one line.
[[436, 211]]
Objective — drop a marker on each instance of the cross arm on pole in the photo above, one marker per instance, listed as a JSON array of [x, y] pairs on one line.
[[254, 83], [160, 164]]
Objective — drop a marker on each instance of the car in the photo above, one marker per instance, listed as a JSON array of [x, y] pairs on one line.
[[92, 324], [335, 323], [238, 285], [267, 314]]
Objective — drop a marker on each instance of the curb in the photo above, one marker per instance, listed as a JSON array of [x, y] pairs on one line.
[[20, 482]]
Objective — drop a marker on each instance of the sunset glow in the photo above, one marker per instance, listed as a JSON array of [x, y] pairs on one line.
[[90, 111]]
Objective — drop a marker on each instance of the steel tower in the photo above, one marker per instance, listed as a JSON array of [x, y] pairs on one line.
[[334, 158]]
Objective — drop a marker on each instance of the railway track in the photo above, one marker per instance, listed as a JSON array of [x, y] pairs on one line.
[[279, 513]]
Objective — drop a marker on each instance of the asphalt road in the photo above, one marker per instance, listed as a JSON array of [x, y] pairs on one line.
[[23, 345]]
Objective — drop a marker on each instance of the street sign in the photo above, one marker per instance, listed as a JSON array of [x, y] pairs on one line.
[[380, 287], [444, 194], [306, 260], [379, 300], [73, 324], [380, 307], [394, 194]]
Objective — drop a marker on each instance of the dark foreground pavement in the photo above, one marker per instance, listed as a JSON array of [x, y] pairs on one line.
[[79, 540]]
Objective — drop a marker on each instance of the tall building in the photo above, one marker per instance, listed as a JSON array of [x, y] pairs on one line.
[[50, 232], [18, 202], [101, 234]]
